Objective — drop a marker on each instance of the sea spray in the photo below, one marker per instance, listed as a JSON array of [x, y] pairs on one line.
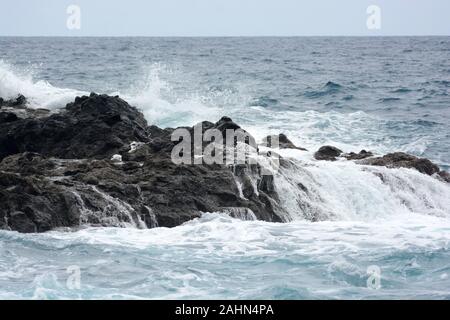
[[39, 93]]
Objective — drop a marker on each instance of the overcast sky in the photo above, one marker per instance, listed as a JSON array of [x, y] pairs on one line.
[[223, 17]]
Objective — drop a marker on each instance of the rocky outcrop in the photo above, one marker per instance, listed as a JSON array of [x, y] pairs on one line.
[[282, 140], [363, 154], [403, 160], [91, 127], [19, 101], [59, 171], [444, 176], [6, 117], [391, 160], [328, 153]]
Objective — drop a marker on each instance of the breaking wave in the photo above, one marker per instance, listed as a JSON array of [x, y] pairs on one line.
[[40, 93]]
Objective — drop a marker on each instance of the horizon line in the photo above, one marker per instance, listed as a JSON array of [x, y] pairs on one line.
[[221, 36]]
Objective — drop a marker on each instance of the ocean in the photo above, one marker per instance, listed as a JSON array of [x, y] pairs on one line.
[[381, 239]]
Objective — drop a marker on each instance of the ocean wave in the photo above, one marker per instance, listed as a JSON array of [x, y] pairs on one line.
[[328, 89], [40, 93], [264, 102], [389, 100], [402, 90], [211, 257]]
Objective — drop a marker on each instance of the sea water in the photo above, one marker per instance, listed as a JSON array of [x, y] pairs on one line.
[[377, 239]]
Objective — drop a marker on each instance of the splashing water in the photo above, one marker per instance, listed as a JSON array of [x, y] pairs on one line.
[[395, 219], [40, 93], [219, 257]]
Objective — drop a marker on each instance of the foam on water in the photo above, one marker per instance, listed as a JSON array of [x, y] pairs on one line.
[[220, 257], [346, 191]]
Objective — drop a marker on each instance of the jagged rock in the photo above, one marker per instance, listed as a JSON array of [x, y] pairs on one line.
[[226, 123], [60, 171], [327, 153], [97, 126], [363, 154], [283, 142], [403, 160], [54, 193]]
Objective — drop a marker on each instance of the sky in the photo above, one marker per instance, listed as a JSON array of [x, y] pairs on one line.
[[224, 17]]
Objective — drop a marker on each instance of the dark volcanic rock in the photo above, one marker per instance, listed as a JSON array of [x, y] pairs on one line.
[[363, 154], [403, 160], [328, 153], [55, 193], [57, 171], [97, 126], [283, 141], [20, 101], [7, 117]]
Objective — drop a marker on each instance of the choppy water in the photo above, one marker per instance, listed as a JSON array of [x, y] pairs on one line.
[[382, 94]]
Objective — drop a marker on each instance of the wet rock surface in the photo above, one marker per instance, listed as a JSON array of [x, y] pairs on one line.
[[19, 101], [97, 162], [91, 127], [363, 154], [61, 171], [328, 153], [282, 140], [404, 160]]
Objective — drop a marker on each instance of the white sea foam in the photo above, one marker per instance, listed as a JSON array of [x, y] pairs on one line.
[[40, 93], [212, 257], [162, 106], [344, 190]]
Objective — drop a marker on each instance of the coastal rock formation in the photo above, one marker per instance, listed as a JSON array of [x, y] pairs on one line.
[[283, 142], [91, 127], [97, 162], [19, 101], [328, 153], [404, 160], [363, 154]]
